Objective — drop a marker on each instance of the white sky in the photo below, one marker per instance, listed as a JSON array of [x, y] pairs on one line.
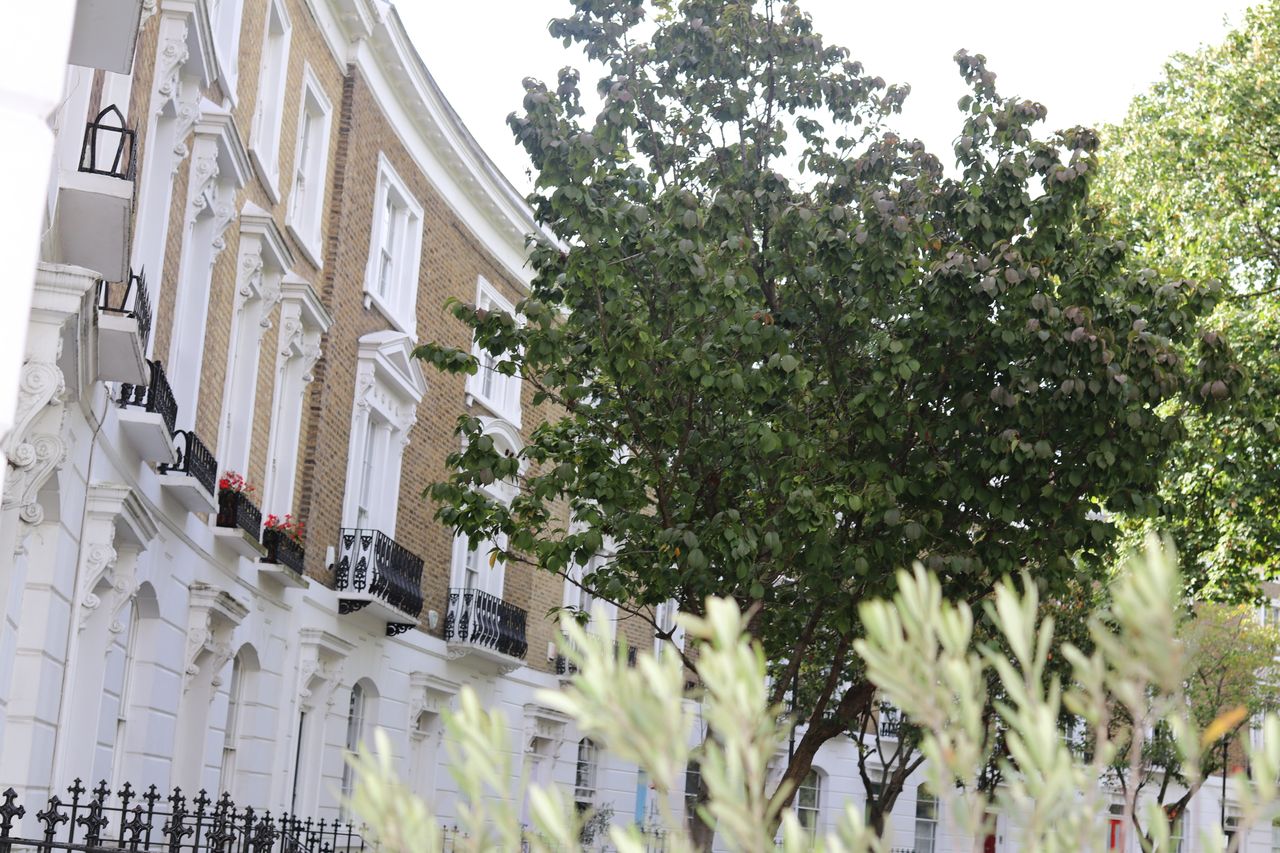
[[1084, 60]]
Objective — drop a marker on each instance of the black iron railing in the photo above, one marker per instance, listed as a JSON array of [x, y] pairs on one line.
[[565, 666], [108, 132], [133, 302], [283, 550], [155, 397], [371, 562], [481, 619], [235, 509], [194, 459], [100, 821]]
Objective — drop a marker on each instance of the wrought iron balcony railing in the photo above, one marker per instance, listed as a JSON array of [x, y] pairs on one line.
[[155, 397], [195, 460], [100, 821], [109, 146], [128, 299], [283, 550], [480, 619], [564, 666], [235, 509], [372, 563], [890, 721]]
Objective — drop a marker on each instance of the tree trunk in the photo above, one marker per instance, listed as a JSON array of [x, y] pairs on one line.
[[819, 732], [701, 832]]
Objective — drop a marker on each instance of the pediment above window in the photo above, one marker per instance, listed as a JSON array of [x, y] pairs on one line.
[[394, 367]]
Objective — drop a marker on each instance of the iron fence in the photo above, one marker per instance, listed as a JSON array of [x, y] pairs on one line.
[[133, 821]]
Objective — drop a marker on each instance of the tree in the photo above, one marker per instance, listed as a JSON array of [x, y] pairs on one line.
[[921, 650], [1231, 679], [1191, 174], [785, 354]]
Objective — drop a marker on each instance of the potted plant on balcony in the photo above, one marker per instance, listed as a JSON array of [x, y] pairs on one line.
[[234, 493], [283, 538]]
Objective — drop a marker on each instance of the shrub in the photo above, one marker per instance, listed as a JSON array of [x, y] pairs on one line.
[[919, 651]]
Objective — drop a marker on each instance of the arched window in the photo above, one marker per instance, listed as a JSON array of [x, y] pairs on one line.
[[809, 801], [584, 789], [926, 821], [355, 734]]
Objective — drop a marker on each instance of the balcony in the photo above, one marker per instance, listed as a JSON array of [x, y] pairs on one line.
[[566, 669], [285, 558], [890, 722], [485, 626], [147, 416], [192, 478], [238, 523], [105, 33], [123, 330], [95, 202], [374, 571]]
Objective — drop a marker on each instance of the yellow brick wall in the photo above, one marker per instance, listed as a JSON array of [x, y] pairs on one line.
[[451, 262]]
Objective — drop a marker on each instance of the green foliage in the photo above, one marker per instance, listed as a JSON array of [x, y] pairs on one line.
[[1191, 173], [1228, 681], [920, 650], [781, 351]]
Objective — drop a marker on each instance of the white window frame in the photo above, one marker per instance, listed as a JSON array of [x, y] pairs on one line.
[[394, 245], [926, 821], [808, 802], [665, 617], [231, 730], [494, 391], [493, 578], [263, 263], [357, 714], [581, 600], [225, 23], [389, 387], [268, 111], [586, 771], [303, 321], [308, 184]]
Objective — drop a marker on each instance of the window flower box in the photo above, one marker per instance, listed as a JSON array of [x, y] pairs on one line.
[[239, 521]]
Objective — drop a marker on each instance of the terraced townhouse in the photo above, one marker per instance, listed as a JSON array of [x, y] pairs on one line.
[[255, 209]]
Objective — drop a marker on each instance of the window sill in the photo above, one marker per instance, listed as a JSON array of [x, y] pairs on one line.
[[310, 247], [396, 319]]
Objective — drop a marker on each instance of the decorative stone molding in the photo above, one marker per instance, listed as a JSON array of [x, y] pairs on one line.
[[212, 620], [320, 666], [117, 526], [543, 723], [34, 448], [171, 56], [429, 694]]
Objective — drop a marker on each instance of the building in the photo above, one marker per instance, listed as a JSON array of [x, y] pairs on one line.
[[255, 209]]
